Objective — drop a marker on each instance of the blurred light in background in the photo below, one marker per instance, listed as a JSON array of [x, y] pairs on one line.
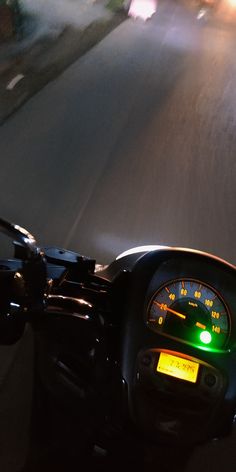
[[143, 9]]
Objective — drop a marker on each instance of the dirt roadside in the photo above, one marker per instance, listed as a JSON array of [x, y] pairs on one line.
[[25, 73]]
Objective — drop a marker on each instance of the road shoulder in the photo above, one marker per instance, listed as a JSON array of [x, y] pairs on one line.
[[29, 71]]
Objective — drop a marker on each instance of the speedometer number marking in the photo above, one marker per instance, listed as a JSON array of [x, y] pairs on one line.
[[216, 329], [209, 302], [184, 292], [163, 306]]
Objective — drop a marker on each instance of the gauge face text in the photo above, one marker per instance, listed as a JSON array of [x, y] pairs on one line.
[[190, 311]]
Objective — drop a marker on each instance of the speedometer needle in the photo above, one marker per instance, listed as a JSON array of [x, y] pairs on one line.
[[164, 307]]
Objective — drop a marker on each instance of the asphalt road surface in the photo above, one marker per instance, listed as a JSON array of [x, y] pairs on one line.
[[135, 143]]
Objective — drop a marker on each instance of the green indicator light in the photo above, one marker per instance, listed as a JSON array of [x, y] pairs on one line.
[[205, 337]]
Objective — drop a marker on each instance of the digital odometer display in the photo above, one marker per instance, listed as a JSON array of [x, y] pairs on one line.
[[178, 367], [190, 311]]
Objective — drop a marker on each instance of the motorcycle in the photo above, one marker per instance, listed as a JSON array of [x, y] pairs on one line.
[[126, 365]]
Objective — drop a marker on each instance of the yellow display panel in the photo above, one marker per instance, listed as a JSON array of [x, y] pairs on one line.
[[178, 367]]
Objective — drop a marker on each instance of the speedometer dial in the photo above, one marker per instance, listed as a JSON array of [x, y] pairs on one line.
[[192, 312]]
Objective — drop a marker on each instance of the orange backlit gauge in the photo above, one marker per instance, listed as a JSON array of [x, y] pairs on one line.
[[192, 312], [178, 367]]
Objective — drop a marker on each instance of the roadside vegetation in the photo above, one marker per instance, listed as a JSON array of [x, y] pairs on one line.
[[21, 18]]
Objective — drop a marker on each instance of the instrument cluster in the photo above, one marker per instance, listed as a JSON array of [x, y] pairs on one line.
[[191, 311], [192, 299]]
